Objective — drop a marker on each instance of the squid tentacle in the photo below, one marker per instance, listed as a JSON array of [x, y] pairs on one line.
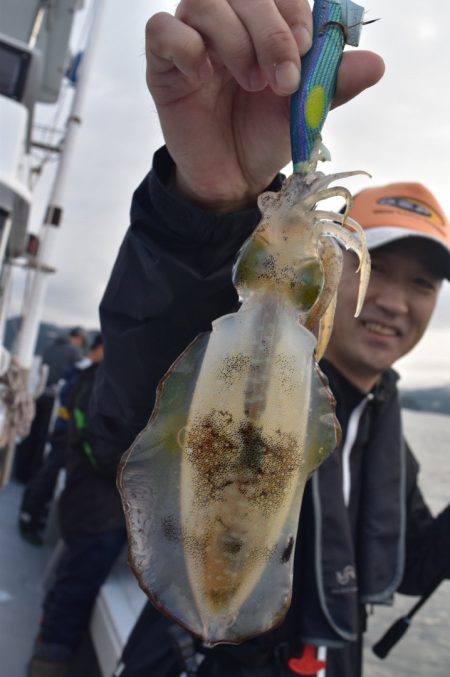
[[353, 242], [326, 327], [319, 181], [321, 315]]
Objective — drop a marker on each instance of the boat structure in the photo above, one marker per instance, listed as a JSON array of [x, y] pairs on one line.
[[41, 62], [37, 66]]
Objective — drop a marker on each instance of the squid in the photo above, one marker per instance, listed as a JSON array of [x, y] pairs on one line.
[[212, 487]]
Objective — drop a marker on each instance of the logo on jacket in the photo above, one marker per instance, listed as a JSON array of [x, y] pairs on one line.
[[347, 575]]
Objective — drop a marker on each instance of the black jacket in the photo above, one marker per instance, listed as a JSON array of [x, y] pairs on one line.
[[171, 279], [90, 502]]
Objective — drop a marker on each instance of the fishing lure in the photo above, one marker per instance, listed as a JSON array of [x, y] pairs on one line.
[[212, 487]]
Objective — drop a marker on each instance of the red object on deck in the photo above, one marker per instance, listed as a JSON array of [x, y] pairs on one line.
[[307, 664]]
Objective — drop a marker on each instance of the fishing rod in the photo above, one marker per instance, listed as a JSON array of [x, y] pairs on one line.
[[399, 628]]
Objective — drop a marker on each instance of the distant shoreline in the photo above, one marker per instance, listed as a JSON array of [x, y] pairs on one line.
[[434, 400]]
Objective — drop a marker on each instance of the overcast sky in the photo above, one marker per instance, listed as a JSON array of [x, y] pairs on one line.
[[398, 130]]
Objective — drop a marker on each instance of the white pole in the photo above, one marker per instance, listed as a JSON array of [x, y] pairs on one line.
[[45, 262]]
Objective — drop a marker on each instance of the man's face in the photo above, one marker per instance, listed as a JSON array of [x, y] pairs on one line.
[[399, 302], [77, 341]]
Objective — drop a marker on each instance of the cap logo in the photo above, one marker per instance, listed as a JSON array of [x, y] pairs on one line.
[[414, 206]]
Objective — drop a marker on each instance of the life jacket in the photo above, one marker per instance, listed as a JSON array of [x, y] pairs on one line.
[[347, 555]]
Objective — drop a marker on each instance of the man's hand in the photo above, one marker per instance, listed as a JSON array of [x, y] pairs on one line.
[[221, 72]]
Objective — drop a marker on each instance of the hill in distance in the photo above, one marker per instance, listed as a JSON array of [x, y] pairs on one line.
[[47, 334], [435, 400]]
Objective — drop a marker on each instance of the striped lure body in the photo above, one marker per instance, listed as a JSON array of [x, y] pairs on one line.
[[335, 23]]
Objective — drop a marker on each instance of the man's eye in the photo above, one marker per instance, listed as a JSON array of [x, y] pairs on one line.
[[423, 283]]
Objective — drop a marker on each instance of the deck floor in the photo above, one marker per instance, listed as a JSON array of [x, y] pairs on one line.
[[23, 570]]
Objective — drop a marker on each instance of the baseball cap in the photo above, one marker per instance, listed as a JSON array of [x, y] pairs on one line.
[[400, 210]]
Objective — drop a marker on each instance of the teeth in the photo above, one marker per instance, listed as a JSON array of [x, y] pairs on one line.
[[380, 328]]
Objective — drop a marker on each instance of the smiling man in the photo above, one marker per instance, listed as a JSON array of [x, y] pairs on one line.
[[408, 235]]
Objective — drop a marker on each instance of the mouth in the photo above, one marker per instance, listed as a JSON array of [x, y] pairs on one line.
[[380, 328]]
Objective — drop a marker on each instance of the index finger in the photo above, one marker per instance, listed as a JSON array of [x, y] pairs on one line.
[[281, 31]]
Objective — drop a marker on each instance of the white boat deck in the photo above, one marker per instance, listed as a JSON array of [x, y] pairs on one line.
[[24, 570]]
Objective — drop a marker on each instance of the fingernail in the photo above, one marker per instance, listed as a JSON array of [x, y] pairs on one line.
[[303, 39], [287, 77]]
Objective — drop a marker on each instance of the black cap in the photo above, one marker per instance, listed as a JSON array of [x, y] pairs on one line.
[[77, 331]]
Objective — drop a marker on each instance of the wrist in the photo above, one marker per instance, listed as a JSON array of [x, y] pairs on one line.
[[212, 198]]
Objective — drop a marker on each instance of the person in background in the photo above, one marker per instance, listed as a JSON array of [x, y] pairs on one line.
[[219, 74], [93, 531], [65, 350], [39, 492]]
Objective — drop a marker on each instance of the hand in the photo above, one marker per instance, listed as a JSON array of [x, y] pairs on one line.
[[220, 73]]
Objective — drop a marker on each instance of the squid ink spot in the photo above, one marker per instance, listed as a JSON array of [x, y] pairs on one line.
[[170, 530], [286, 556], [231, 544]]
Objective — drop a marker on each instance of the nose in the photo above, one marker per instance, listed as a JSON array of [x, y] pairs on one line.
[[392, 298]]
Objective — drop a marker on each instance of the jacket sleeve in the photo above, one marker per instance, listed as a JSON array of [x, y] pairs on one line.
[[172, 277], [427, 556]]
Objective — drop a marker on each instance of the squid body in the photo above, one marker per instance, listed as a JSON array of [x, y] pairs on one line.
[[212, 487]]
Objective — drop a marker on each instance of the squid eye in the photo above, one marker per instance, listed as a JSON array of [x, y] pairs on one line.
[[258, 267], [254, 265], [307, 285]]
